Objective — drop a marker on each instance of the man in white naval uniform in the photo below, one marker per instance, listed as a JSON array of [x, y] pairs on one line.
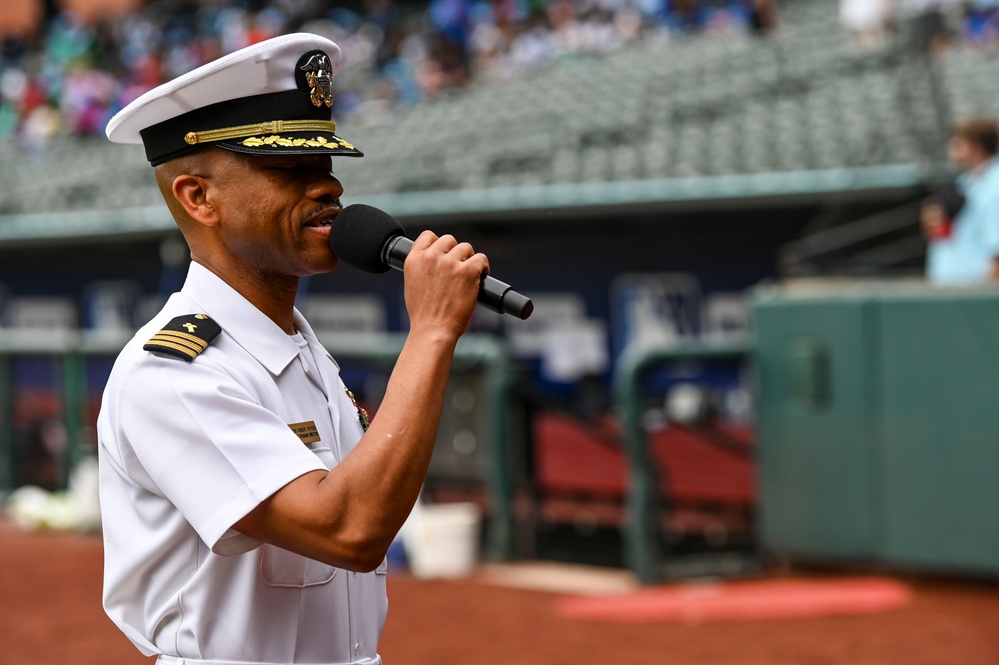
[[247, 503]]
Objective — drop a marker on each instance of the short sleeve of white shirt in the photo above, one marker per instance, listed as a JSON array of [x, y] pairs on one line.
[[989, 211], [205, 443]]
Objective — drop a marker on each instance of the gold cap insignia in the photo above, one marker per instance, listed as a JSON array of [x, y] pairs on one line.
[[319, 76]]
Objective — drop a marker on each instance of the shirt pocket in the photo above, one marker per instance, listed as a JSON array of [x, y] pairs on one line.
[[279, 567]]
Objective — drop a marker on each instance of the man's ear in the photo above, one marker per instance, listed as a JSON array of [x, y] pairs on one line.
[[194, 195]]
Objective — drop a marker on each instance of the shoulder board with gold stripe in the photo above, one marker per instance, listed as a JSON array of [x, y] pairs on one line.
[[184, 337]]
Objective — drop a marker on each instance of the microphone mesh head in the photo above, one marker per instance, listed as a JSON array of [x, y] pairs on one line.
[[359, 234]]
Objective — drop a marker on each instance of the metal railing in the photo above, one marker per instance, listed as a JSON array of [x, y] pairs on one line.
[[643, 551], [70, 351]]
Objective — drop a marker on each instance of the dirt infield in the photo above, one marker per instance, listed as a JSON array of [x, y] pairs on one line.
[[50, 614]]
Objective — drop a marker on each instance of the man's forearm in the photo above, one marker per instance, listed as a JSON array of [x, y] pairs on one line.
[[387, 469]]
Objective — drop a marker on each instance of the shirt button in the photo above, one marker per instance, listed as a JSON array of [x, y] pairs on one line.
[[357, 648]]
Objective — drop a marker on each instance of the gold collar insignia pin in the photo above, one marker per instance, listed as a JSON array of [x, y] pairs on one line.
[[362, 415]]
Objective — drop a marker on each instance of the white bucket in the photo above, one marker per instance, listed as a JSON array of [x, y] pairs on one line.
[[442, 540]]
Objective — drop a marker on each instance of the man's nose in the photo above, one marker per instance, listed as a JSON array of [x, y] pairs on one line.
[[325, 187]]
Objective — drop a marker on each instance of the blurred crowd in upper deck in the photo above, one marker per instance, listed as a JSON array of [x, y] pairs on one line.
[[72, 76]]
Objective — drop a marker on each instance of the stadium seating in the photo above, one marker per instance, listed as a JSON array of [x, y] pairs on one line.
[[804, 99]]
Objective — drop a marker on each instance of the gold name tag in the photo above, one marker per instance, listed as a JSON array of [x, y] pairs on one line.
[[306, 431]]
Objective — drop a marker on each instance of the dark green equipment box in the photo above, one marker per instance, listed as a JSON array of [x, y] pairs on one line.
[[879, 424]]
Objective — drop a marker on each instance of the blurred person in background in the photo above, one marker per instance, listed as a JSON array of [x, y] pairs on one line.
[[247, 501], [869, 21], [399, 53], [980, 24], [932, 22], [764, 16], [962, 224]]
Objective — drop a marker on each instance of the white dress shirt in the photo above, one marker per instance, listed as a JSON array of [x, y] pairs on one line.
[[186, 450]]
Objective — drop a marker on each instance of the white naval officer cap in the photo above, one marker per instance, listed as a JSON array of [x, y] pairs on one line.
[[274, 97]]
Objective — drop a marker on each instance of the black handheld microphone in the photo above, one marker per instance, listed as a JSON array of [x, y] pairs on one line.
[[372, 240]]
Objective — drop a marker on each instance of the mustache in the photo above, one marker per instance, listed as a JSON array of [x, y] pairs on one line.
[[320, 210]]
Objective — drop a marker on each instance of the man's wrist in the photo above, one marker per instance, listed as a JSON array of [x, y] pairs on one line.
[[434, 336]]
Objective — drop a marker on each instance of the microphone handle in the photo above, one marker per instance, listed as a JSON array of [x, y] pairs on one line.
[[396, 250], [493, 294]]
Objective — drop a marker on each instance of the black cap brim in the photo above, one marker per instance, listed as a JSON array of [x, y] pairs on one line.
[[292, 143]]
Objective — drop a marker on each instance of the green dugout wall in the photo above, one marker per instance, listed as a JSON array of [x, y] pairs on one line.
[[879, 424]]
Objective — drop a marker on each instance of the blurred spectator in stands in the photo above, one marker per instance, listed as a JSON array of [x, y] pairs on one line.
[[869, 21], [931, 21], [86, 98], [962, 227], [74, 75], [40, 126], [684, 15], [763, 16], [758, 17], [980, 24]]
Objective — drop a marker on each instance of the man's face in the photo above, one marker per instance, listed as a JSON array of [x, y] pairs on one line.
[[963, 152], [275, 212]]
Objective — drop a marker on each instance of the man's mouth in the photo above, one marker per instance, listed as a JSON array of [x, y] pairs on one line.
[[323, 219]]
